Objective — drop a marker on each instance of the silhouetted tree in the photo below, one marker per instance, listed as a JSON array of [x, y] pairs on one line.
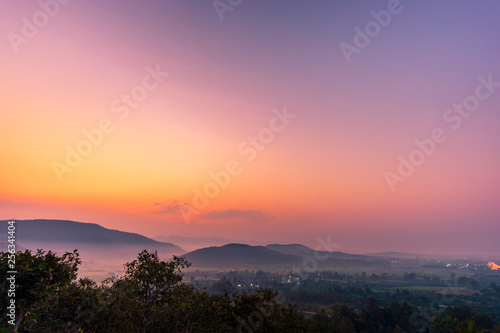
[[38, 276]]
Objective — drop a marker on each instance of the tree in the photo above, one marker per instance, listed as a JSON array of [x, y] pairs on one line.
[[346, 326], [77, 306], [152, 297], [38, 276], [145, 290]]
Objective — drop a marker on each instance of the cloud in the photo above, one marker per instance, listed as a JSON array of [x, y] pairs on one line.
[[168, 207], [247, 215]]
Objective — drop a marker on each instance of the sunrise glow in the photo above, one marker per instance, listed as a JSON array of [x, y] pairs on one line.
[[160, 118]]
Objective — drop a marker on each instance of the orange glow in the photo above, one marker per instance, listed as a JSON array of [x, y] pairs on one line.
[[493, 266], [318, 170]]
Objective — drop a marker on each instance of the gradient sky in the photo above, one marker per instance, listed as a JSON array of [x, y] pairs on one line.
[[323, 174]]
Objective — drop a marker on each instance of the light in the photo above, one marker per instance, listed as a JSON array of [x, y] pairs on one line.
[[493, 266]]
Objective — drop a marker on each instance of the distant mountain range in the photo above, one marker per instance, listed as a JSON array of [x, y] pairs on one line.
[[90, 239], [98, 244], [79, 232], [294, 249], [275, 256], [194, 243], [239, 256], [304, 251]]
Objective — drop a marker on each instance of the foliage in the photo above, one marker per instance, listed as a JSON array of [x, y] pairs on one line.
[[152, 297], [38, 276]]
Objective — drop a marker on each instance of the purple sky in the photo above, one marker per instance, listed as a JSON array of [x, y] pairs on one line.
[[341, 166]]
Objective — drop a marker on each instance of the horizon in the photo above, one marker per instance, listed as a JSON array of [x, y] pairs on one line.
[[325, 245], [374, 125]]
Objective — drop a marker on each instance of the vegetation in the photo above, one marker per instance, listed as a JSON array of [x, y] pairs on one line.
[[40, 276], [151, 296]]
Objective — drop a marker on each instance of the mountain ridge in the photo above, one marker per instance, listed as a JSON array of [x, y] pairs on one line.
[[239, 255], [99, 243], [88, 238]]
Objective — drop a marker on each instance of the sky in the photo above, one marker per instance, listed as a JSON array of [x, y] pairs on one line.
[[372, 124]]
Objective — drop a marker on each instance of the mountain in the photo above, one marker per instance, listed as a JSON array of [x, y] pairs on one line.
[[239, 256], [194, 243], [327, 259], [294, 249], [276, 256], [88, 238], [179, 239], [105, 250], [76, 232]]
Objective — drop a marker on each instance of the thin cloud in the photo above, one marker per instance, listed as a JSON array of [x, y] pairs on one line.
[[168, 207], [246, 215]]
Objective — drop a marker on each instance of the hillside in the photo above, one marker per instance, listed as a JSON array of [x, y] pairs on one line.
[[91, 240], [238, 256], [195, 243], [327, 259], [98, 245], [294, 249], [274, 256]]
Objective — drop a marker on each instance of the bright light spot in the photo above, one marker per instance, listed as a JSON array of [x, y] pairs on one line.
[[493, 266]]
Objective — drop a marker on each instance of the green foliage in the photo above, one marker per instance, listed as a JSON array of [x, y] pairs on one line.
[[78, 305], [152, 297], [148, 287], [38, 276], [463, 320]]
